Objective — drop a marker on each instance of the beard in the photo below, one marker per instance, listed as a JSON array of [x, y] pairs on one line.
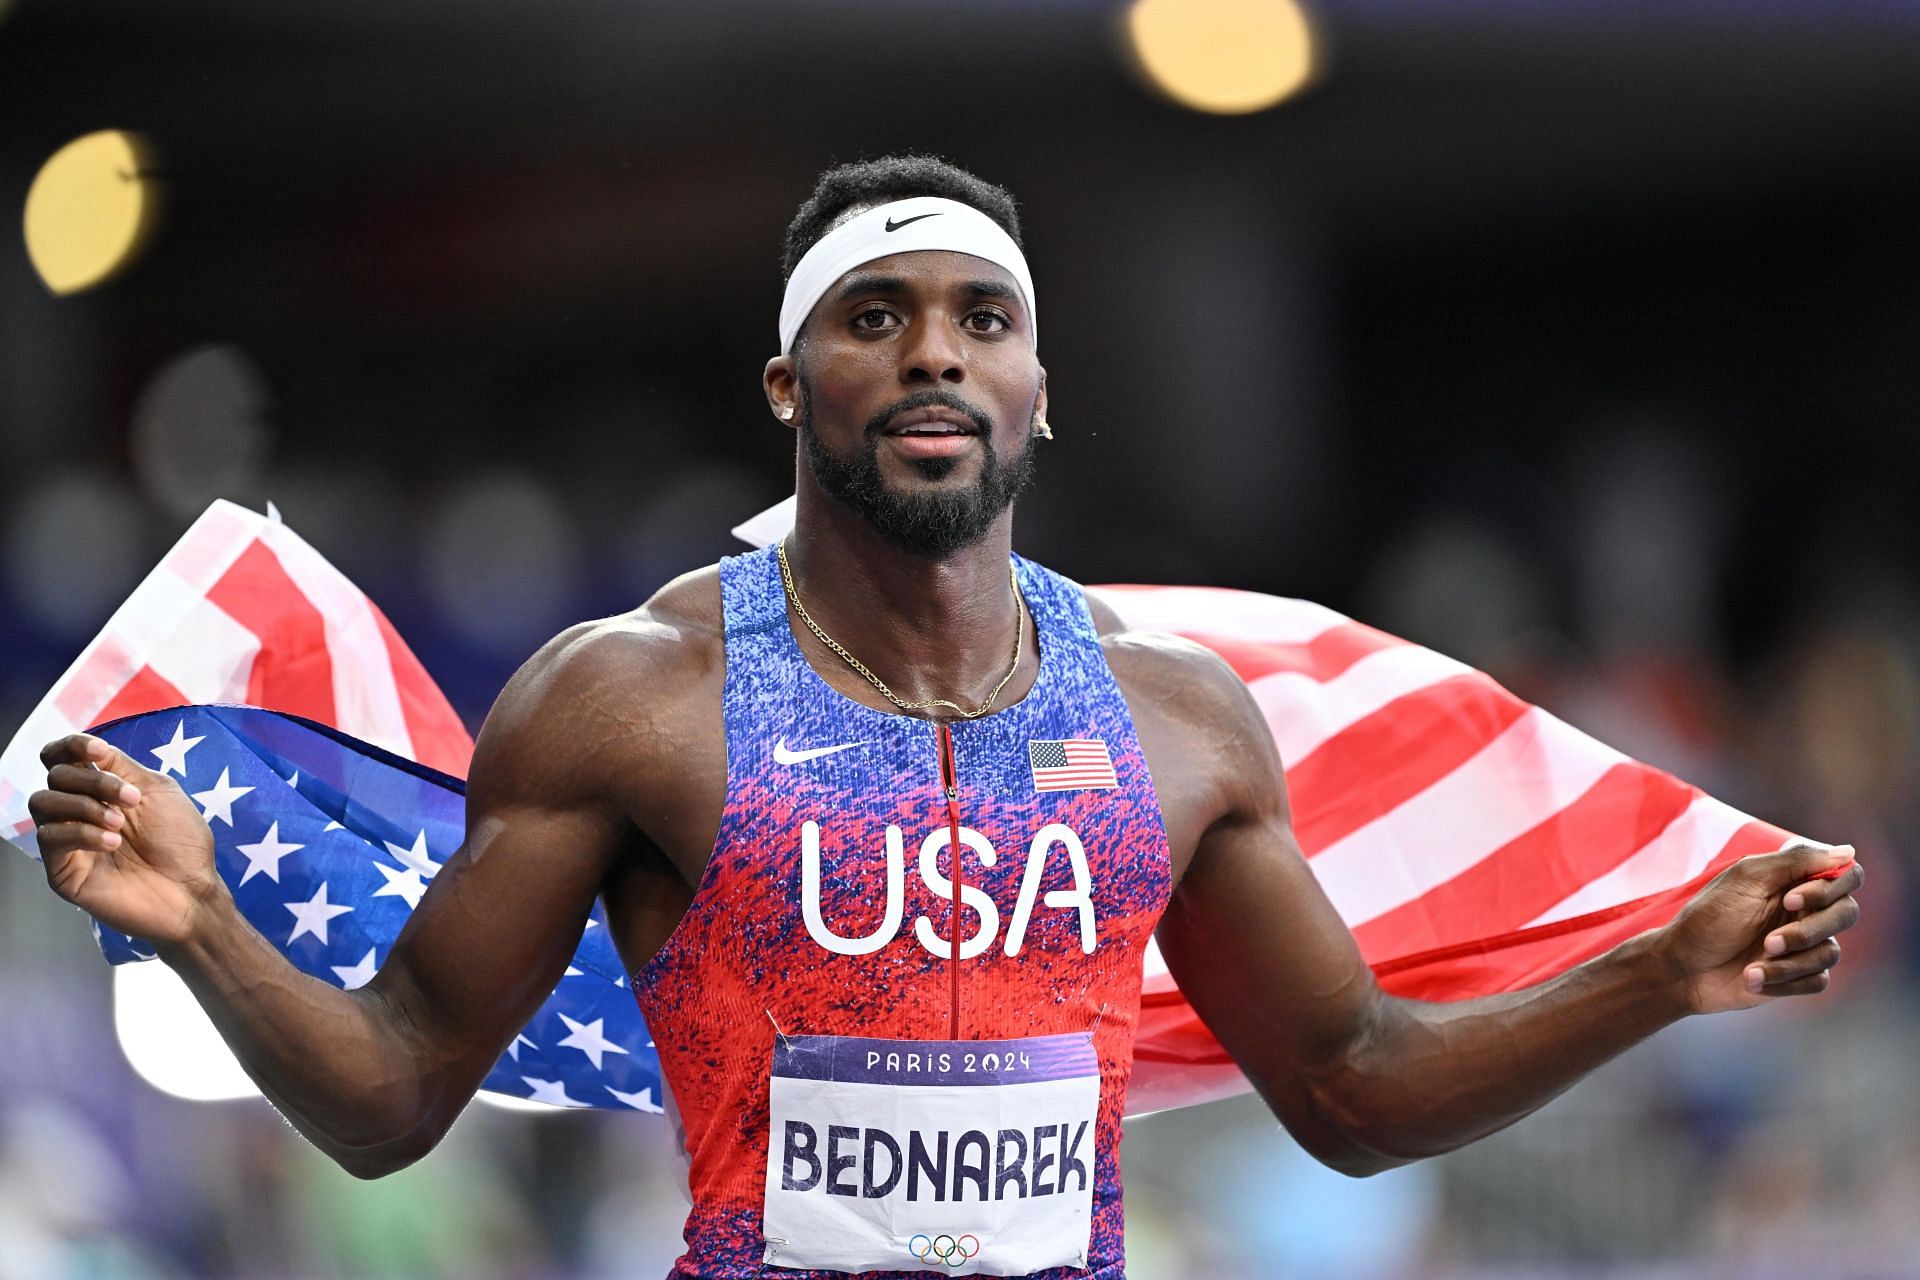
[[932, 524]]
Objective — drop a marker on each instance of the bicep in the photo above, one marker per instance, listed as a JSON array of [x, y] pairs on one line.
[[498, 923], [1261, 954]]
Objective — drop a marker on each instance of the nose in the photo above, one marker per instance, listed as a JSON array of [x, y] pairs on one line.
[[933, 352]]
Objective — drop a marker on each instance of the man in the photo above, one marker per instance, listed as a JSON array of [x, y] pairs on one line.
[[744, 767]]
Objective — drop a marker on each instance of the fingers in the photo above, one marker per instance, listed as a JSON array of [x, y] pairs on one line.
[[1811, 985], [1772, 976], [49, 807], [1798, 861], [1815, 894], [1812, 929], [101, 784], [75, 748], [84, 752], [59, 839]]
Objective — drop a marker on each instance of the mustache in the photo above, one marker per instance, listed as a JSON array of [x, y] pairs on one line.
[[927, 399]]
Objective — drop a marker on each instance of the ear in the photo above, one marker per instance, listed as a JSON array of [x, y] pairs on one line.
[[782, 385], [1040, 398]]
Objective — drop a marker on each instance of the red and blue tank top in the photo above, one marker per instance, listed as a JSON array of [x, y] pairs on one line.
[[819, 931]]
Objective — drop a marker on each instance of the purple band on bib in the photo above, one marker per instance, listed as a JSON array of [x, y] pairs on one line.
[[856, 1060]]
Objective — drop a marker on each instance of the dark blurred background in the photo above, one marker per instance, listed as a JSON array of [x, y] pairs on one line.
[[1574, 338]]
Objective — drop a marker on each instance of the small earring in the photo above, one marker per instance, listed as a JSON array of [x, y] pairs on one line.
[[786, 413], [1041, 429]]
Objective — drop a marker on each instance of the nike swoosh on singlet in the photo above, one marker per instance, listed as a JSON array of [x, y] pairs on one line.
[[895, 226], [781, 755]]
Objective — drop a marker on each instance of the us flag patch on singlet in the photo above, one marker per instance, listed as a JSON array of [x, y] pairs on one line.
[[1078, 764]]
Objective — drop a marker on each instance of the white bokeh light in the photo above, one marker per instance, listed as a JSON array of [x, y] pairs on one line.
[[73, 548], [502, 561], [172, 1043], [200, 430]]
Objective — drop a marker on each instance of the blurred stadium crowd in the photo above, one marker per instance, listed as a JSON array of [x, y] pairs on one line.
[[1571, 341]]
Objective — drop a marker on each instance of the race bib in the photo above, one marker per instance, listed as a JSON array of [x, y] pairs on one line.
[[959, 1156]]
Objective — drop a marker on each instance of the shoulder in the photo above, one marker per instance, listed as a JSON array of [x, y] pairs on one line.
[[1208, 748], [1165, 675], [605, 694]]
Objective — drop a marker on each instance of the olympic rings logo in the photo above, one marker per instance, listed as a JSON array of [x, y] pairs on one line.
[[944, 1249]]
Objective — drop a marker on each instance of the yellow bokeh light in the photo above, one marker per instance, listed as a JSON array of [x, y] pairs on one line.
[[1227, 57], [90, 210]]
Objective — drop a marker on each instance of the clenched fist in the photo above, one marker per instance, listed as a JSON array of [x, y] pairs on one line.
[[1765, 927]]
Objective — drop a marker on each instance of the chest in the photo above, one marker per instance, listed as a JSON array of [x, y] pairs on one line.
[[894, 843]]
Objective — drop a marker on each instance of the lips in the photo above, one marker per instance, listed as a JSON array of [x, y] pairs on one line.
[[933, 422]]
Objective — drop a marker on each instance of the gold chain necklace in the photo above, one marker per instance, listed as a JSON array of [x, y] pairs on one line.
[[1019, 635]]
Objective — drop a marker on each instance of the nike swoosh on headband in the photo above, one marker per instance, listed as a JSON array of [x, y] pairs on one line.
[[782, 755], [895, 226], [900, 226]]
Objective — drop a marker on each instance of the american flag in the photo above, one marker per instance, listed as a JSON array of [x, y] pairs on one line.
[[1474, 843], [329, 822], [329, 843], [1078, 764], [242, 610]]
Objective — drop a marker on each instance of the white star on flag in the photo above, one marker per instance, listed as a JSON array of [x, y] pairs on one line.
[[313, 914], [219, 801], [353, 976], [266, 855], [404, 884], [416, 857], [639, 1101], [554, 1091], [173, 755], [588, 1039], [513, 1050]]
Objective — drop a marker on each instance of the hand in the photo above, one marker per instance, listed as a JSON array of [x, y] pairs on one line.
[[122, 842], [1765, 927]]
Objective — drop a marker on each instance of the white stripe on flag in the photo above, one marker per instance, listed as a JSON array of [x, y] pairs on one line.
[[154, 609], [1239, 614], [1673, 857], [1303, 712], [210, 546], [206, 655], [1534, 769]]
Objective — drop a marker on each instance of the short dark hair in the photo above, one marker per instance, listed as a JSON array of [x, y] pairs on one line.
[[873, 182]]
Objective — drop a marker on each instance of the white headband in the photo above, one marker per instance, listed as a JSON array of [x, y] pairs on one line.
[[923, 222]]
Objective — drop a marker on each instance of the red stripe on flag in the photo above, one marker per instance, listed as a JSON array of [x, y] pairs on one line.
[[1384, 759], [1514, 960], [293, 672], [1171, 1033], [1618, 816], [440, 741], [1323, 657], [146, 691]]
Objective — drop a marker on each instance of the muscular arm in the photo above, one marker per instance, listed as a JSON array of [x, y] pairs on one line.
[[375, 1076], [1364, 1080]]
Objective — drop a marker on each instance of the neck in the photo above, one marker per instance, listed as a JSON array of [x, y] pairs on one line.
[[930, 628]]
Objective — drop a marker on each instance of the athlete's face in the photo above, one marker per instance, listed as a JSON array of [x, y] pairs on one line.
[[915, 388]]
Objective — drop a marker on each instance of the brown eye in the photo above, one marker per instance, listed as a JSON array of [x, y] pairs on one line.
[[873, 318], [987, 320]]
